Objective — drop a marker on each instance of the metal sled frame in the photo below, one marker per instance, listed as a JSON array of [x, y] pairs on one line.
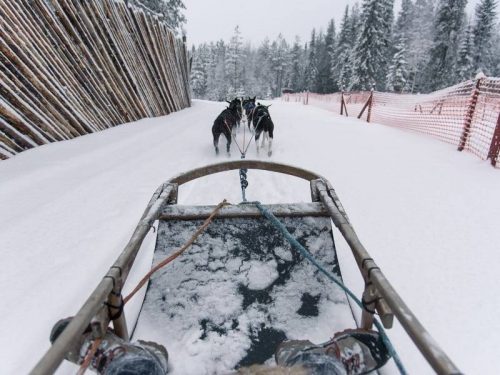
[[96, 310]]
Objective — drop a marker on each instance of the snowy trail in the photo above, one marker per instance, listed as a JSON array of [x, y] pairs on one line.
[[428, 215]]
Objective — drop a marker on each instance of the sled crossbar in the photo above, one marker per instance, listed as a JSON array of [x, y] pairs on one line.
[[388, 304], [177, 212]]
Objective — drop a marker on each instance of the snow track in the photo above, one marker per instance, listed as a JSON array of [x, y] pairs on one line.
[[428, 214]]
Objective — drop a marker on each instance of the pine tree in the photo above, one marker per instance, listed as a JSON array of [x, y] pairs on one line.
[[198, 74], [496, 52], [483, 33], [420, 40], [262, 69], [322, 64], [210, 67], [404, 24], [397, 77], [305, 67], [443, 55], [170, 11], [343, 68], [356, 23], [326, 54], [465, 55], [403, 27], [248, 79], [372, 48], [234, 64], [388, 21], [312, 64], [217, 86], [278, 62], [341, 55], [296, 69]]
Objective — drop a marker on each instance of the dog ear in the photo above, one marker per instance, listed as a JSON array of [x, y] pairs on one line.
[[253, 97], [227, 101], [267, 106]]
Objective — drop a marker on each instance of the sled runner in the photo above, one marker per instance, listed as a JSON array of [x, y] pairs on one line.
[[255, 276]]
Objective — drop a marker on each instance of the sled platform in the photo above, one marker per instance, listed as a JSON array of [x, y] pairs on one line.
[[240, 290]]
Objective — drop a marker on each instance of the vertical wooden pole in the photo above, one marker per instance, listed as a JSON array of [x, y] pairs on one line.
[[342, 103], [370, 104], [469, 115], [495, 144]]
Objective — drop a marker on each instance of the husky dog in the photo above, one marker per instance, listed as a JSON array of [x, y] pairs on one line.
[[249, 106], [262, 122], [239, 109], [225, 124]]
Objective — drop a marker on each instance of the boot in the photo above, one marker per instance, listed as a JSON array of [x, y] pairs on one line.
[[115, 356], [350, 352]]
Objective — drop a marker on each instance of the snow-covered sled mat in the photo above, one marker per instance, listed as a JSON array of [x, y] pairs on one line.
[[240, 290]]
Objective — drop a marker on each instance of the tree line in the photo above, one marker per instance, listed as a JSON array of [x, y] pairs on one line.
[[431, 44], [168, 11]]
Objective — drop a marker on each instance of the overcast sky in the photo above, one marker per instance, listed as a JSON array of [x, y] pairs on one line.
[[211, 20]]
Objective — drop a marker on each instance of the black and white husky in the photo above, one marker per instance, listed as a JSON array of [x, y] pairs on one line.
[[225, 124], [239, 109], [262, 123], [249, 106]]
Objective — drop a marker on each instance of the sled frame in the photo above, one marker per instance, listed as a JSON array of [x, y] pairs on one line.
[[96, 312]]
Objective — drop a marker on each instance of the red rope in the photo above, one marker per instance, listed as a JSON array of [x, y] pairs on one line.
[[177, 253], [88, 358]]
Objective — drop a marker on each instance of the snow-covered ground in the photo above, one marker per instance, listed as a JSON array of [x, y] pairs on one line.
[[428, 214]]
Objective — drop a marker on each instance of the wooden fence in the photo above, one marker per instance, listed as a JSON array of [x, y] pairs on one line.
[[74, 67]]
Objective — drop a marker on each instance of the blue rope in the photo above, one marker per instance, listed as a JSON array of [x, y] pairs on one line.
[[306, 254]]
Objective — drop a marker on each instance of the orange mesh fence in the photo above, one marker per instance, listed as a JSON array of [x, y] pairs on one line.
[[485, 129], [466, 115]]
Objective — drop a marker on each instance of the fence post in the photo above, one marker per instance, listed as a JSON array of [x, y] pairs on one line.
[[342, 104], [307, 98], [495, 144], [368, 105], [469, 114]]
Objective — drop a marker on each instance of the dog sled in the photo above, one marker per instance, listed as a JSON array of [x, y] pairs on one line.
[[252, 276]]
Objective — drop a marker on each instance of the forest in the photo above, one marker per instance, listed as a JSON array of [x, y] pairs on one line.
[[427, 46]]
